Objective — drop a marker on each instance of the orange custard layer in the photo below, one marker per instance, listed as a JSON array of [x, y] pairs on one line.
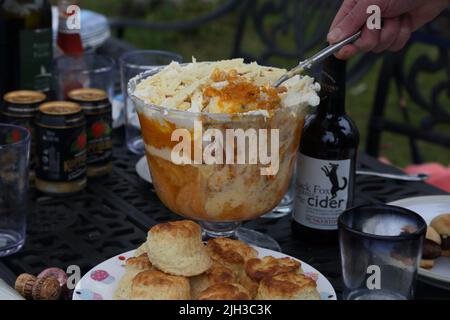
[[226, 192], [222, 95]]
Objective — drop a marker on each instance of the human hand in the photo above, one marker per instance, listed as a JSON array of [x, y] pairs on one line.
[[399, 19]]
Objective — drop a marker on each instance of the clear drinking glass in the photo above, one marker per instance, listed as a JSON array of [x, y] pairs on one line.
[[286, 204], [88, 71], [131, 64], [14, 162], [218, 196], [381, 248]]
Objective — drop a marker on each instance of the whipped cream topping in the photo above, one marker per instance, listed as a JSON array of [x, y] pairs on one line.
[[228, 86]]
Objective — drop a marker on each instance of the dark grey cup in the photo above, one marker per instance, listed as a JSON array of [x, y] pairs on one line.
[[381, 248]]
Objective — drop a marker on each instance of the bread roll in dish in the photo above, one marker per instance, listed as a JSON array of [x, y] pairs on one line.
[[216, 274], [225, 291], [257, 269], [231, 253], [441, 224], [287, 286], [156, 285], [133, 266], [176, 248], [431, 248]]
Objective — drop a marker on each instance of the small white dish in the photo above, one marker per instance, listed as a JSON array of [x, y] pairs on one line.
[[429, 207], [142, 170]]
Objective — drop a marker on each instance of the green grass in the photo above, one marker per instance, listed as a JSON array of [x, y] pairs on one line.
[[215, 41]]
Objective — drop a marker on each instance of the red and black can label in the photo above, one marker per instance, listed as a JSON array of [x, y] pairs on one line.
[[61, 154], [97, 110], [61, 147]]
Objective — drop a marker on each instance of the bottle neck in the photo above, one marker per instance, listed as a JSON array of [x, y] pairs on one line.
[[333, 87], [68, 18]]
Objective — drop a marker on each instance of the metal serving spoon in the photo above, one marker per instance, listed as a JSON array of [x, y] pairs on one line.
[[318, 57], [404, 177]]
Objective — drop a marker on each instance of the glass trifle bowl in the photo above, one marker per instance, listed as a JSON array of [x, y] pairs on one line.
[[221, 144]]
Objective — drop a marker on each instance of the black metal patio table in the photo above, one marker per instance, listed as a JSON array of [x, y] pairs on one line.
[[114, 213]]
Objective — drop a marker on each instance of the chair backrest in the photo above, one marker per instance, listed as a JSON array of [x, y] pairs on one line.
[[434, 104], [286, 30]]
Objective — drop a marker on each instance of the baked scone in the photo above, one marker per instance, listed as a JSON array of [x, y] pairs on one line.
[[231, 253], [431, 248], [441, 224], [225, 291], [287, 286], [257, 269], [216, 274], [176, 247], [156, 285], [133, 266], [141, 249]]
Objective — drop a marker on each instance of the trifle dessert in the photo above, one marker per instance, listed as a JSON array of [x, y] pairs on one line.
[[223, 95]]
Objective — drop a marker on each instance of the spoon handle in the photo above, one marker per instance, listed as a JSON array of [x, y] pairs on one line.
[[404, 177], [318, 57]]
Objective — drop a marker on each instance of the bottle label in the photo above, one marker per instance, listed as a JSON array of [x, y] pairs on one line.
[[36, 55], [321, 191]]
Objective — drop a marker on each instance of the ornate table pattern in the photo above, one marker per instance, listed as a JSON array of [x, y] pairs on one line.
[[114, 213]]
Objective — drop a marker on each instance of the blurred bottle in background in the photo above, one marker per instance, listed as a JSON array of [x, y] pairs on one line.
[[69, 44], [68, 39], [25, 45]]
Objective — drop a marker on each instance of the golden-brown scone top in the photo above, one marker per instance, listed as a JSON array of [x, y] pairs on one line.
[[441, 224], [287, 286], [176, 247], [133, 266], [180, 228], [156, 285], [216, 274], [140, 262], [225, 291], [257, 269], [231, 253]]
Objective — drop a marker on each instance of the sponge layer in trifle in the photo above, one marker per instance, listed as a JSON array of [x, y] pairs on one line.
[[236, 100]]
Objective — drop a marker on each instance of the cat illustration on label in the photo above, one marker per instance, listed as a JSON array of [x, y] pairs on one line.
[[331, 172]]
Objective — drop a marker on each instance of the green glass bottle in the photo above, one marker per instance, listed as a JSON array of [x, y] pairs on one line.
[[26, 49]]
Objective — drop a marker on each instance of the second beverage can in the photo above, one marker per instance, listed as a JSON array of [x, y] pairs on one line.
[[97, 110], [61, 148]]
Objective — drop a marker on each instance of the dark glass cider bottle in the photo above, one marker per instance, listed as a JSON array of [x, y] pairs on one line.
[[326, 161], [26, 50]]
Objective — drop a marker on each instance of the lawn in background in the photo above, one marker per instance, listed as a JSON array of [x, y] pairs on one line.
[[215, 40]]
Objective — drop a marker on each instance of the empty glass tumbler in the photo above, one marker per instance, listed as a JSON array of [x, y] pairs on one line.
[[131, 64], [88, 71], [14, 162], [381, 248]]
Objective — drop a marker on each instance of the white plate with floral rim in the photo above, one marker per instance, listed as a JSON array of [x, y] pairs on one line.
[[101, 281], [142, 169], [429, 207]]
